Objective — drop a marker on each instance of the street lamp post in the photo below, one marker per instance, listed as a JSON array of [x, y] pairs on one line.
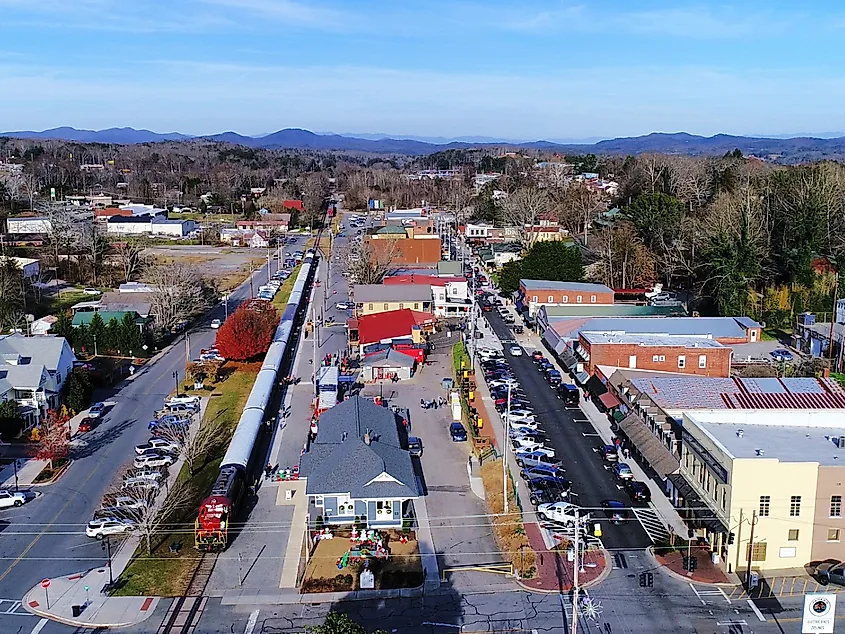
[[176, 380], [107, 548], [16, 474]]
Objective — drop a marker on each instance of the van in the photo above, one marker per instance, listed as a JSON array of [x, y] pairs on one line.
[[569, 394]]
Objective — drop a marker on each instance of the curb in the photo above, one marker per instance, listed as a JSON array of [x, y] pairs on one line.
[[56, 476], [684, 578], [68, 621], [605, 573]]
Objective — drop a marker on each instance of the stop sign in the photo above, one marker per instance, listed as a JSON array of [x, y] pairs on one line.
[[45, 583]]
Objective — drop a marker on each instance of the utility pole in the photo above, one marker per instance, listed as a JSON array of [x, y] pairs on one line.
[[505, 441], [269, 267], [750, 552], [833, 315], [576, 564], [187, 349]]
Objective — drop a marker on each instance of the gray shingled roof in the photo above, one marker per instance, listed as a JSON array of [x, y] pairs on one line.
[[364, 293], [542, 285], [389, 357], [339, 461]]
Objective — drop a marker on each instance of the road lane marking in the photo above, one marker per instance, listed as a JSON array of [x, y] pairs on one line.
[[250, 624], [49, 524], [39, 626]]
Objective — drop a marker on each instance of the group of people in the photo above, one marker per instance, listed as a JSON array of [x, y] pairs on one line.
[[290, 380], [440, 401]]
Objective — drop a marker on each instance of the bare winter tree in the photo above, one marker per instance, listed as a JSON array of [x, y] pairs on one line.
[[149, 509], [131, 257], [621, 258], [367, 263], [523, 210], [179, 293], [578, 207], [194, 442]]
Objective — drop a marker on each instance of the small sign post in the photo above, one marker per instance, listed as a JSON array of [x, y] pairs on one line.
[[45, 583]]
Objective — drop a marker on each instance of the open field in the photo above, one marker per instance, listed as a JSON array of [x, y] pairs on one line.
[[228, 265]]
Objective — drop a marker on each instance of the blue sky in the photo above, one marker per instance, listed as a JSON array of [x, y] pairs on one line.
[[549, 69]]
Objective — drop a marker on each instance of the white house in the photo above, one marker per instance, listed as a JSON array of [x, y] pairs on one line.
[[168, 227], [32, 373], [30, 267]]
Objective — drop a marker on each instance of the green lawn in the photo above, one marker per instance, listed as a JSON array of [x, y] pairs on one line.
[[281, 298], [54, 304], [164, 573], [459, 354]]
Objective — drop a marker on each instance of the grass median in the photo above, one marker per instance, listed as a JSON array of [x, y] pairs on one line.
[[281, 298], [165, 573]]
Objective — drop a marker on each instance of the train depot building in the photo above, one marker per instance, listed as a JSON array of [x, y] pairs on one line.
[[357, 467]]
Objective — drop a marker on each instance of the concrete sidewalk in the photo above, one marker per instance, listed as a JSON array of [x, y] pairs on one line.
[[27, 470], [83, 590]]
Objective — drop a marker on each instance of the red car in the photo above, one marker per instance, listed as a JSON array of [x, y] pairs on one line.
[[537, 355], [87, 424]]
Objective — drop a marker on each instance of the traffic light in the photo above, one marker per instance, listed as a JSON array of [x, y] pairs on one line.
[[686, 562], [731, 538], [693, 563], [646, 580], [642, 580]]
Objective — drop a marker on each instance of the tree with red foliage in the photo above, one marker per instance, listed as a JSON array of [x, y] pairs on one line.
[[248, 332], [53, 437]]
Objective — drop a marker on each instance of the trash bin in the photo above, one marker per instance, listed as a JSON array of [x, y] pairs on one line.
[[76, 610]]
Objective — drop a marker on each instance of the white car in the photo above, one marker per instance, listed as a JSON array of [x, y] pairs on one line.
[[215, 324], [515, 351], [9, 498], [561, 512], [503, 382], [91, 291], [528, 444], [487, 354], [524, 424], [185, 399], [99, 528], [140, 483], [157, 444], [547, 451], [153, 460]]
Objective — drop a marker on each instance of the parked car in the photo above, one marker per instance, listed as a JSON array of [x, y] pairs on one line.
[[517, 329], [99, 528], [188, 399], [91, 291], [560, 512], [415, 447], [609, 453], [622, 471], [541, 471], [615, 511], [526, 444], [153, 459], [215, 324], [828, 572], [535, 458], [537, 355], [544, 494], [345, 305], [557, 481], [554, 378], [97, 410], [781, 354], [11, 498], [515, 351], [569, 394], [457, 432], [523, 424], [153, 474], [157, 444], [637, 491], [88, 423], [140, 483]]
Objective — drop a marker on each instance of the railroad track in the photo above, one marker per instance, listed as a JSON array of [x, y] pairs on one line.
[[185, 612]]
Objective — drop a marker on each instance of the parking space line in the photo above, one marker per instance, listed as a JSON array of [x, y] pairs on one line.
[[250, 624], [756, 610], [38, 626]]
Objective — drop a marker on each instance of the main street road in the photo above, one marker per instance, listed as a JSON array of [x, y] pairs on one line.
[[46, 537], [574, 443]]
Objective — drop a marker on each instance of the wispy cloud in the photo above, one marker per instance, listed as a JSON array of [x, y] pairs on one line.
[[288, 12], [702, 21]]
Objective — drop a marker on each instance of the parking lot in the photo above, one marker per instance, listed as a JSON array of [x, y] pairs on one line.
[[577, 445]]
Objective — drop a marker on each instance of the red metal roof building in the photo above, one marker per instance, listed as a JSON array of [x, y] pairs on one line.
[[393, 324]]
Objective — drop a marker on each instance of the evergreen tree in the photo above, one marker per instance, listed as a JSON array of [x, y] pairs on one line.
[[78, 390], [114, 336], [64, 327], [11, 422], [556, 261], [97, 333]]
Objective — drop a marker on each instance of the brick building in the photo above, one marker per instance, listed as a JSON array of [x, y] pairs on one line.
[[407, 251], [536, 293], [684, 355]]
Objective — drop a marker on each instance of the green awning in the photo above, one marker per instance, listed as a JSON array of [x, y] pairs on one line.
[[618, 416]]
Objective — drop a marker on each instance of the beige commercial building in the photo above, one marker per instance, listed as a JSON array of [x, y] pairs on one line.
[[734, 453]]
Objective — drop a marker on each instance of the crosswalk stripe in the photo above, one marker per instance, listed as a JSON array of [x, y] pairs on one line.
[[652, 524]]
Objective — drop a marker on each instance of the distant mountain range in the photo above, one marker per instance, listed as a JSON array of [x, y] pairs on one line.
[[791, 149]]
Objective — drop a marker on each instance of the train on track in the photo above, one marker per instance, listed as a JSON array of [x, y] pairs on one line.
[[211, 529]]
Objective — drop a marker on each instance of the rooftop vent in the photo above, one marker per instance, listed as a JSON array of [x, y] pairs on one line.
[[760, 452], [842, 442], [739, 433]]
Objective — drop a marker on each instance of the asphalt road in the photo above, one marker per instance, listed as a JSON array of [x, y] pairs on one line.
[[46, 537], [574, 444]]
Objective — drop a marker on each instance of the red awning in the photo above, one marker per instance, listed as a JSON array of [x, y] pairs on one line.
[[609, 400]]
